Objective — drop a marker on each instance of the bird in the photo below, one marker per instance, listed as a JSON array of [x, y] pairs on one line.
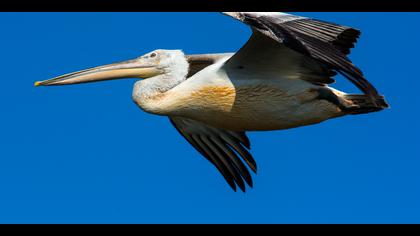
[[279, 79]]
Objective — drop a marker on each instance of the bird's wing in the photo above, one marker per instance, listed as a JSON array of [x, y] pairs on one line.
[[266, 58], [326, 43], [221, 147], [197, 62]]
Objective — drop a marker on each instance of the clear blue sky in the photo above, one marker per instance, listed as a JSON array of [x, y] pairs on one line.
[[87, 154]]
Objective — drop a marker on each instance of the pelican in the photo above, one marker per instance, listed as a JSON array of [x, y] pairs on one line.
[[280, 79]]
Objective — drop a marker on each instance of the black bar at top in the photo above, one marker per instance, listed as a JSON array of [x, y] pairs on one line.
[[209, 5]]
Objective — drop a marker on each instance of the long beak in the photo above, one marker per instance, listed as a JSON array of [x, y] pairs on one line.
[[128, 69]]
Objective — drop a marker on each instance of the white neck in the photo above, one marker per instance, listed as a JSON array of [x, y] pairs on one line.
[[146, 93]]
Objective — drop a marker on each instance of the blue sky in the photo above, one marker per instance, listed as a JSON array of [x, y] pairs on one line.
[[87, 154]]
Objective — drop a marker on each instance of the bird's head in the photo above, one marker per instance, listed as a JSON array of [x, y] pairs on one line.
[[155, 63]]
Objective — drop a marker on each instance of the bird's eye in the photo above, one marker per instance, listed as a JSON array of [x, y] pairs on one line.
[[153, 55]]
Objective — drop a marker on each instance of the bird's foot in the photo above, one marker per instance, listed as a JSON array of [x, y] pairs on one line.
[[345, 105]]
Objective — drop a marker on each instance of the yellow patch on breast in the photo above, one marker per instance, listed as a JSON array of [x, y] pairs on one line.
[[217, 98]]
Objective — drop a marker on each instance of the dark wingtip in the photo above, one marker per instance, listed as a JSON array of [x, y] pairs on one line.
[[243, 188], [233, 186], [253, 166], [248, 180], [251, 184]]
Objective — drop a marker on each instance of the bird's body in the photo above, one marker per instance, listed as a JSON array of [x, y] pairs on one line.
[[280, 79], [237, 100]]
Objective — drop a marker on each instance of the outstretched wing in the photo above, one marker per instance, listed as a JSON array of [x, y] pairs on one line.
[[222, 148], [326, 43]]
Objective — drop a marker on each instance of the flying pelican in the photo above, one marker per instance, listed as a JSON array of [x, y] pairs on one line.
[[278, 80]]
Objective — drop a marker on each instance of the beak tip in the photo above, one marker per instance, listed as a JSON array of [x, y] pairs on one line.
[[37, 83]]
